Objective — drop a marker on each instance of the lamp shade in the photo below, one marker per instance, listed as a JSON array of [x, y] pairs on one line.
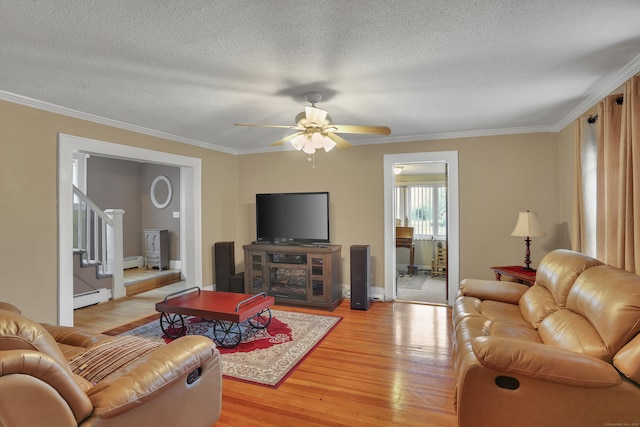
[[528, 225]]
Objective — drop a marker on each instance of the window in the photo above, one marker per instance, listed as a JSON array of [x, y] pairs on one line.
[[589, 184], [423, 207]]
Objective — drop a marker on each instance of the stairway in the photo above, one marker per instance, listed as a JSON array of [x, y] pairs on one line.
[[89, 285]]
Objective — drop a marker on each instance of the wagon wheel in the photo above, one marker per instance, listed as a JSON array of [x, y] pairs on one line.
[[261, 320], [227, 334], [173, 325]]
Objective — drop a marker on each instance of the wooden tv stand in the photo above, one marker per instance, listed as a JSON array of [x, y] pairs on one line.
[[297, 275]]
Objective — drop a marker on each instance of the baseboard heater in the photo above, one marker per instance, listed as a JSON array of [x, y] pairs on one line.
[[133, 262], [92, 297]]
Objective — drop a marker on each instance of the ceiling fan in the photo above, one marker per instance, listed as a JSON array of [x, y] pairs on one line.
[[315, 129]]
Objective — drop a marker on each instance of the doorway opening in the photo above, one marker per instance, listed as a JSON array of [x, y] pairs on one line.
[[432, 226], [190, 210], [420, 208]]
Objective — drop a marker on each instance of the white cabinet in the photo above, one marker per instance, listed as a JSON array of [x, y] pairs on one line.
[[156, 245]]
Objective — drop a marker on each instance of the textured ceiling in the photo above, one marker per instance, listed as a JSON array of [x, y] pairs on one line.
[[188, 70]]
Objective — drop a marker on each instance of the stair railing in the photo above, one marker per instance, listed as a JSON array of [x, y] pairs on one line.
[[98, 235]]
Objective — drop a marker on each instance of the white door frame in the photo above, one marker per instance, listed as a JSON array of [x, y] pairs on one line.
[[453, 220], [190, 209]]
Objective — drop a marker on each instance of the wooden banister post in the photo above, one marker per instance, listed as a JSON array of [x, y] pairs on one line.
[[115, 252]]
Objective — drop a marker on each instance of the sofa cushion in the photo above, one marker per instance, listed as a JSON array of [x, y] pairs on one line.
[[9, 307], [627, 360], [571, 331], [609, 299], [536, 304], [73, 341], [556, 274], [559, 269], [602, 314]]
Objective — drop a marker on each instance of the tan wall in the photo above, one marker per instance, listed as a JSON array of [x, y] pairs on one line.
[[28, 190], [566, 156], [499, 176]]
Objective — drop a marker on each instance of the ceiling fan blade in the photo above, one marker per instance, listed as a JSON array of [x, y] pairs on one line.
[[340, 141], [378, 130], [269, 126], [285, 139]]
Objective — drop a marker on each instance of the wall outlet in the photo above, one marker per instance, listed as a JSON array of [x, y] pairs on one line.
[[176, 214]]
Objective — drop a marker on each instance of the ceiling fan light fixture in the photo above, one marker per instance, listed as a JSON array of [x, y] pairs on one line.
[[315, 115], [315, 129], [308, 148], [328, 145], [299, 141]]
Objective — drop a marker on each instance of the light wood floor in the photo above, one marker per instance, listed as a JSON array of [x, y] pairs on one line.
[[388, 366]]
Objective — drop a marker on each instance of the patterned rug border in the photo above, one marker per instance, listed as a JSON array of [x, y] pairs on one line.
[[287, 360]]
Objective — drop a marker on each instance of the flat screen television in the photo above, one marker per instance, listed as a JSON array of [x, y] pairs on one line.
[[293, 217]]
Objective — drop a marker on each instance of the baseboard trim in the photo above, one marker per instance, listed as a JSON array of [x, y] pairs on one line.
[[133, 262], [90, 298]]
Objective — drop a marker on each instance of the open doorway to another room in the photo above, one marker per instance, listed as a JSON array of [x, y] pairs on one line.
[[189, 244], [420, 207], [444, 230], [149, 196]]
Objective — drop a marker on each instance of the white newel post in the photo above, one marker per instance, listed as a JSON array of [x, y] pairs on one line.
[[115, 251]]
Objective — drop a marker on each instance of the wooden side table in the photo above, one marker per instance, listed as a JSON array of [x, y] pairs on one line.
[[527, 277]]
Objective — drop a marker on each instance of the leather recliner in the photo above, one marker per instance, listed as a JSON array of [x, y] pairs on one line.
[[176, 384], [563, 352]]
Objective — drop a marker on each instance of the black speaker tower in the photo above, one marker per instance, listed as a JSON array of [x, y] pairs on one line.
[[360, 276], [225, 264]]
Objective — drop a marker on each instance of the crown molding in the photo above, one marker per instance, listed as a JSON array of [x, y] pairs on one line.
[[602, 89], [462, 134], [57, 109]]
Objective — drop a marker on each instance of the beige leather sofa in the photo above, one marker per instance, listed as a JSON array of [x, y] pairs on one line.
[[132, 381], [565, 352]]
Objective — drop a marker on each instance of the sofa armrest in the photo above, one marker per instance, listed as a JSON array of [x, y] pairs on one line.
[[149, 376], [544, 362], [509, 292], [44, 368]]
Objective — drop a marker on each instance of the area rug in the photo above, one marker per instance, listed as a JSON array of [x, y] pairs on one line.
[[422, 288], [264, 356]]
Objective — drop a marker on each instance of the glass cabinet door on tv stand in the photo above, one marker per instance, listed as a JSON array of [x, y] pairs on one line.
[[295, 275], [288, 281], [254, 273]]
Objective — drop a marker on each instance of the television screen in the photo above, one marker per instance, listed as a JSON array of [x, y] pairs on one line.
[[293, 217]]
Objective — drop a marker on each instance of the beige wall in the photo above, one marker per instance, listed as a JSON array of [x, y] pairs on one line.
[[566, 156], [28, 190], [499, 176]]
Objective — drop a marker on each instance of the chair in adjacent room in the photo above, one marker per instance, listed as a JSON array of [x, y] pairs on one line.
[[439, 263]]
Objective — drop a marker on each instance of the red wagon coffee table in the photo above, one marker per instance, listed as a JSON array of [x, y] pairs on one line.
[[225, 310]]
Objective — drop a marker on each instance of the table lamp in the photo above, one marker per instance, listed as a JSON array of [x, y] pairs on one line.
[[528, 225]]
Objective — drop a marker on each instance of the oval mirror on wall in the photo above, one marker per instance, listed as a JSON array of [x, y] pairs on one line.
[[161, 192]]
